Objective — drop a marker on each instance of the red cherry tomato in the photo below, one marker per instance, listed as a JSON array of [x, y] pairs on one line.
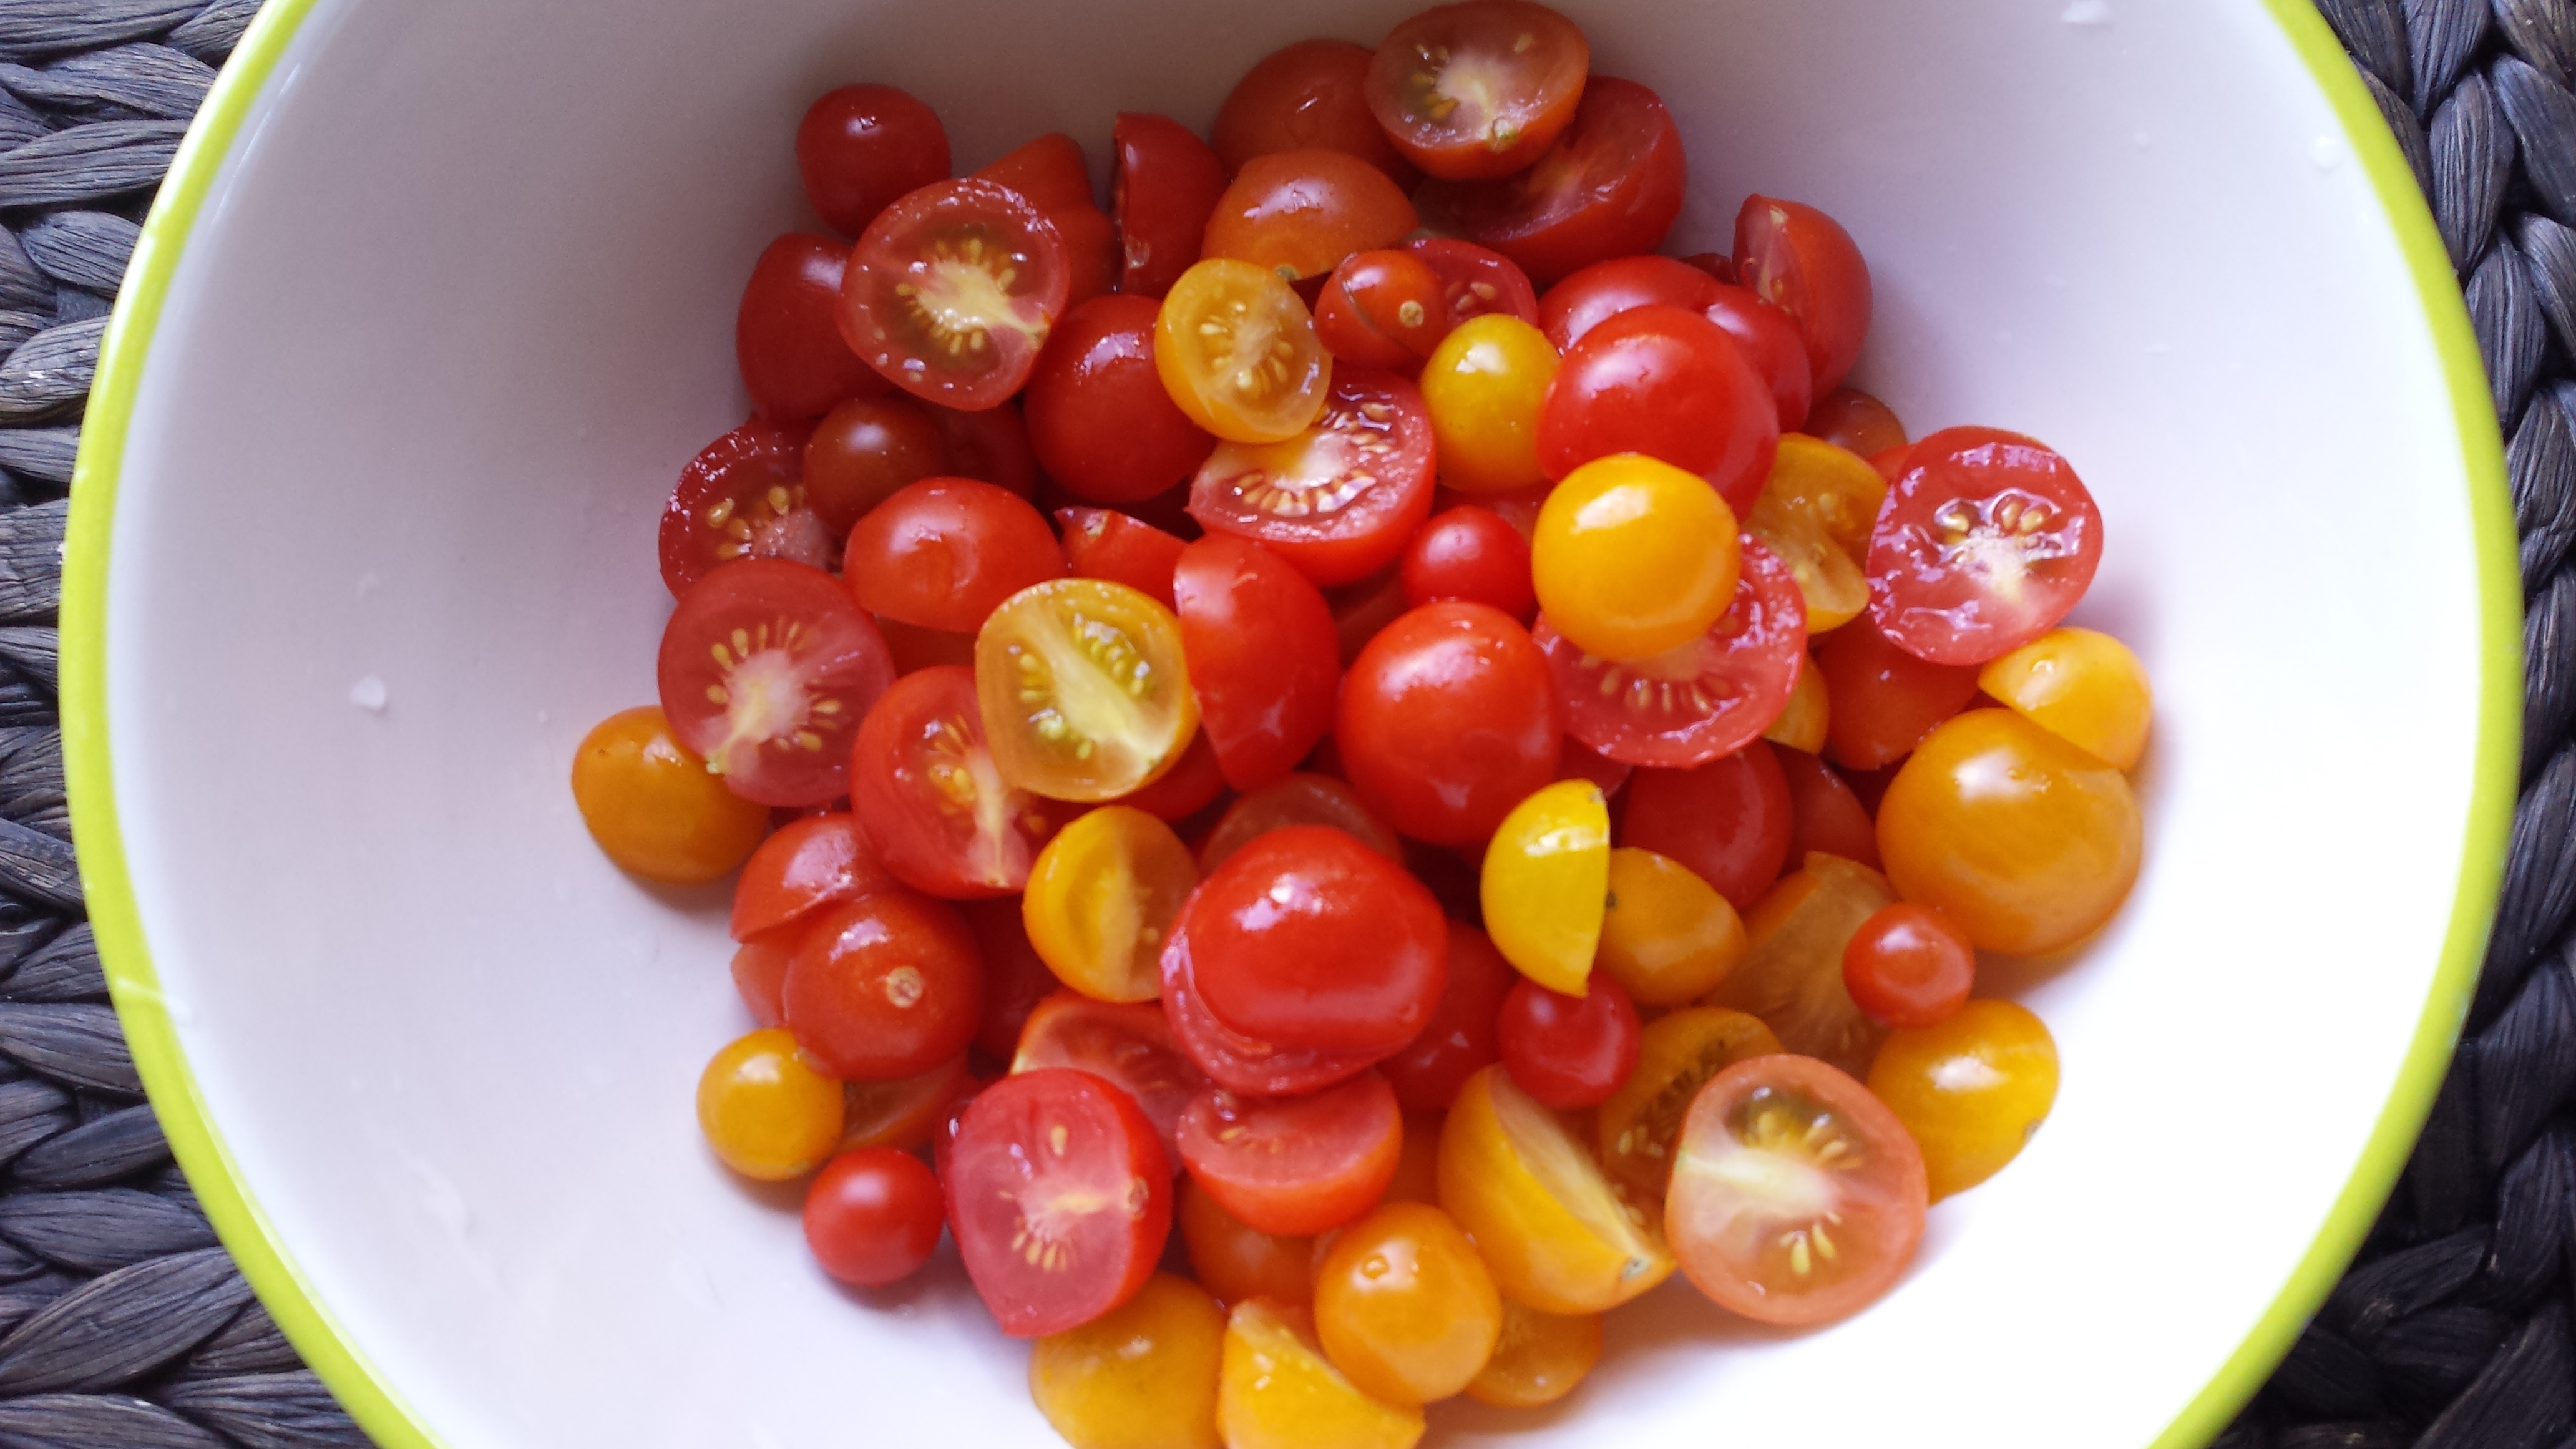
[[943, 553], [1771, 343], [1883, 700], [1850, 418], [1470, 553], [1339, 500], [1984, 543], [923, 784], [1060, 1198], [760, 974], [1296, 799], [861, 147], [1448, 720], [1190, 786], [743, 496], [1824, 812], [805, 865], [1802, 261], [873, 1216], [1706, 699], [1129, 1046], [1260, 648], [1569, 1051], [1016, 977], [1102, 543], [884, 987], [1907, 966], [1098, 414], [1611, 186], [1237, 1062], [1461, 1038], [1603, 290], [925, 303], [787, 338], [1295, 1166], [1477, 280], [866, 449], [1167, 184], [1480, 88], [1310, 94], [1302, 213], [1669, 384], [991, 446], [766, 670], [1384, 309], [1051, 173], [1728, 820], [1308, 938]]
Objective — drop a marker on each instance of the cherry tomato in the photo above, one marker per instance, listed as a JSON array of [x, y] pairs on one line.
[[943, 553], [2025, 842], [653, 806], [1603, 290], [766, 670], [1908, 967], [1850, 418], [1825, 814], [1384, 309], [1338, 500], [1633, 557], [1610, 186], [884, 987], [1165, 189], [1669, 384], [923, 783], [1772, 344], [1101, 898], [1097, 413], [1802, 722], [1792, 972], [1884, 699], [1279, 1391], [1060, 1199], [1802, 261], [1972, 1089], [872, 1216], [861, 147], [1470, 553], [1403, 1305], [1447, 721], [1307, 95], [1676, 1055], [1051, 173], [1417, 1171], [1478, 281], [1262, 654], [1300, 213], [1102, 543], [1890, 462], [759, 973], [821, 860], [1240, 1063], [1538, 1358], [864, 451], [1296, 799], [1307, 938], [1460, 1039], [1084, 692], [764, 1112], [1237, 350], [1545, 1219], [1294, 1166], [1360, 610], [1544, 877], [991, 446], [1185, 790], [1727, 820], [926, 303], [1015, 979], [1142, 1376], [1829, 580], [1579, 761], [1484, 387], [904, 1113], [1667, 937], [1128, 1046], [1984, 543], [1797, 1199], [1569, 1051], [1235, 1260], [1478, 89], [743, 496], [2085, 688], [786, 337]]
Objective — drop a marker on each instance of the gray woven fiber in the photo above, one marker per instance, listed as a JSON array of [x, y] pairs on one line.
[[121, 1327]]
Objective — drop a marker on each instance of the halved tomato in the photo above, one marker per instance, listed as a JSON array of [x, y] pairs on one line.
[[1831, 585], [1340, 499], [1060, 1198], [1610, 186], [1706, 699], [1792, 972], [1240, 1063], [743, 497], [1477, 280], [766, 670], [1986, 540], [1802, 261], [1383, 309], [1083, 688], [1546, 1219], [1103, 543], [1101, 898], [1771, 342], [1676, 1056], [923, 784], [952, 290], [1128, 1046], [1478, 89], [1297, 799], [1295, 1166], [802, 867], [1238, 351], [1262, 653], [760, 974], [1167, 183]]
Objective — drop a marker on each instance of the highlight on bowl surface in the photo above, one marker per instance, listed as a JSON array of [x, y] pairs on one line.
[[1346, 709]]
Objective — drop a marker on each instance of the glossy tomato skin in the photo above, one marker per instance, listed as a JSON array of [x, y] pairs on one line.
[[804, 866], [1307, 938], [919, 301], [1294, 1166], [1772, 343], [1060, 1197], [777, 722], [1669, 384], [1908, 967], [1129, 1046], [1885, 700], [1384, 309], [872, 1217], [1610, 186], [923, 785], [1478, 281], [1727, 820], [786, 337], [866, 449], [1852, 419], [1470, 553], [1986, 540], [1448, 720], [743, 496], [1052, 174], [1166, 186], [943, 553], [1603, 290], [1103, 543], [1802, 261], [1462, 1037], [759, 971], [1569, 1052], [1300, 213], [884, 987], [1237, 1062], [1262, 655], [651, 806], [1098, 415], [1310, 94], [1523, 70], [860, 147], [1338, 501]]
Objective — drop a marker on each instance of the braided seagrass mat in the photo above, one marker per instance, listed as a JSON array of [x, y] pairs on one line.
[[124, 1326]]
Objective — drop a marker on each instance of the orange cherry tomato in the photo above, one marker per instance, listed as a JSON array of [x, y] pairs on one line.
[[1484, 385], [1101, 898], [1550, 1226], [1971, 1089], [654, 808], [1235, 1260], [1237, 350], [766, 1114], [1634, 557], [1539, 1358], [1792, 975], [2085, 688], [1301, 213], [1676, 1056], [1404, 1307], [1142, 1376], [1084, 691], [1667, 936]]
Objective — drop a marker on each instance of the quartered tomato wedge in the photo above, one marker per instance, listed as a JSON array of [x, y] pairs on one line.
[[1295, 1166], [1478, 89], [1611, 186], [766, 670], [744, 497], [1167, 183], [1238, 351], [1262, 653], [1706, 699], [1128, 1046], [923, 783], [1338, 500], [802, 867], [1986, 540], [1796, 1198], [952, 290], [1477, 281], [1084, 691]]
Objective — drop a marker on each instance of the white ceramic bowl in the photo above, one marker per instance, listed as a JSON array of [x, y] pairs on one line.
[[440, 297]]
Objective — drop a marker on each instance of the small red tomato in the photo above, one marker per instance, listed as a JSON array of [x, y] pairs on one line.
[[1167, 184], [1103, 543], [1470, 553], [760, 974], [1060, 1197], [1477, 281], [1883, 700], [1448, 720], [1603, 290], [945, 552], [1296, 799], [866, 449], [1772, 344], [1479, 88], [1126, 1044], [1907, 966], [787, 336], [923, 784], [774, 718], [805, 865], [1384, 309], [1051, 173], [1802, 261], [1306, 95], [1728, 820], [1669, 384], [1611, 186], [861, 147], [1294, 1166], [1259, 644], [1580, 761], [1098, 414], [952, 290], [1460, 1039], [1850, 418], [1338, 500], [743, 496], [991, 446], [1986, 540], [1824, 812], [1300, 213], [884, 987], [1569, 1051], [873, 1216]]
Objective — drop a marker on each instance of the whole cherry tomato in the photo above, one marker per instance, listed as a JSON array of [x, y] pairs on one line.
[[1569, 1051], [1098, 414], [1165, 189], [1907, 966], [1603, 290], [1470, 553], [886, 986], [861, 147], [866, 449], [1728, 820], [1669, 384], [1310, 94], [1261, 650], [786, 337], [1802, 261], [653, 808], [943, 553], [1771, 343], [1300, 213], [1610, 186], [1051, 173], [1448, 720], [873, 1216]]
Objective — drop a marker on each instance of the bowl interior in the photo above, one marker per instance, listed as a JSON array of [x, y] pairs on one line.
[[461, 304]]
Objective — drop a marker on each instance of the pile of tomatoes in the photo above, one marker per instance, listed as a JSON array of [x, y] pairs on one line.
[[1346, 704]]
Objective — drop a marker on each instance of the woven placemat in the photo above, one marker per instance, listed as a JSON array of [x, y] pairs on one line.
[[124, 1326]]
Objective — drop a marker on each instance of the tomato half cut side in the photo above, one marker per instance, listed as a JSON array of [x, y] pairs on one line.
[[1167, 184], [1480, 88], [1295, 1166], [1706, 699], [1085, 692], [766, 670], [1237, 1062], [952, 290], [1986, 540], [1477, 281], [1796, 1197], [1128, 1046], [1263, 655], [786, 338], [1339, 500], [923, 784], [803, 866], [1611, 186], [743, 496], [1060, 1198], [1237, 350]]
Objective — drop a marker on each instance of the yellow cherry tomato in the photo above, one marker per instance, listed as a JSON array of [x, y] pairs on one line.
[[1829, 580], [1667, 935], [1142, 1376], [1539, 1358], [1482, 387], [1792, 972], [1676, 1056], [2025, 842], [1546, 875], [1102, 896], [1403, 1305], [1237, 351], [2085, 688], [766, 1113], [1804, 721], [1083, 688], [1834, 486], [1280, 1392], [654, 808], [1633, 557], [1235, 1260], [1972, 1089], [1549, 1224]]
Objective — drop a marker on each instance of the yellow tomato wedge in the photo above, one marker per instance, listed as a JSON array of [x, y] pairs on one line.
[[1666, 934], [1829, 579], [1834, 486], [1539, 1359], [1083, 689], [1101, 898], [1142, 1376], [1792, 977], [1545, 881], [1546, 1219], [2086, 688], [1237, 351], [1278, 1391], [1802, 723]]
